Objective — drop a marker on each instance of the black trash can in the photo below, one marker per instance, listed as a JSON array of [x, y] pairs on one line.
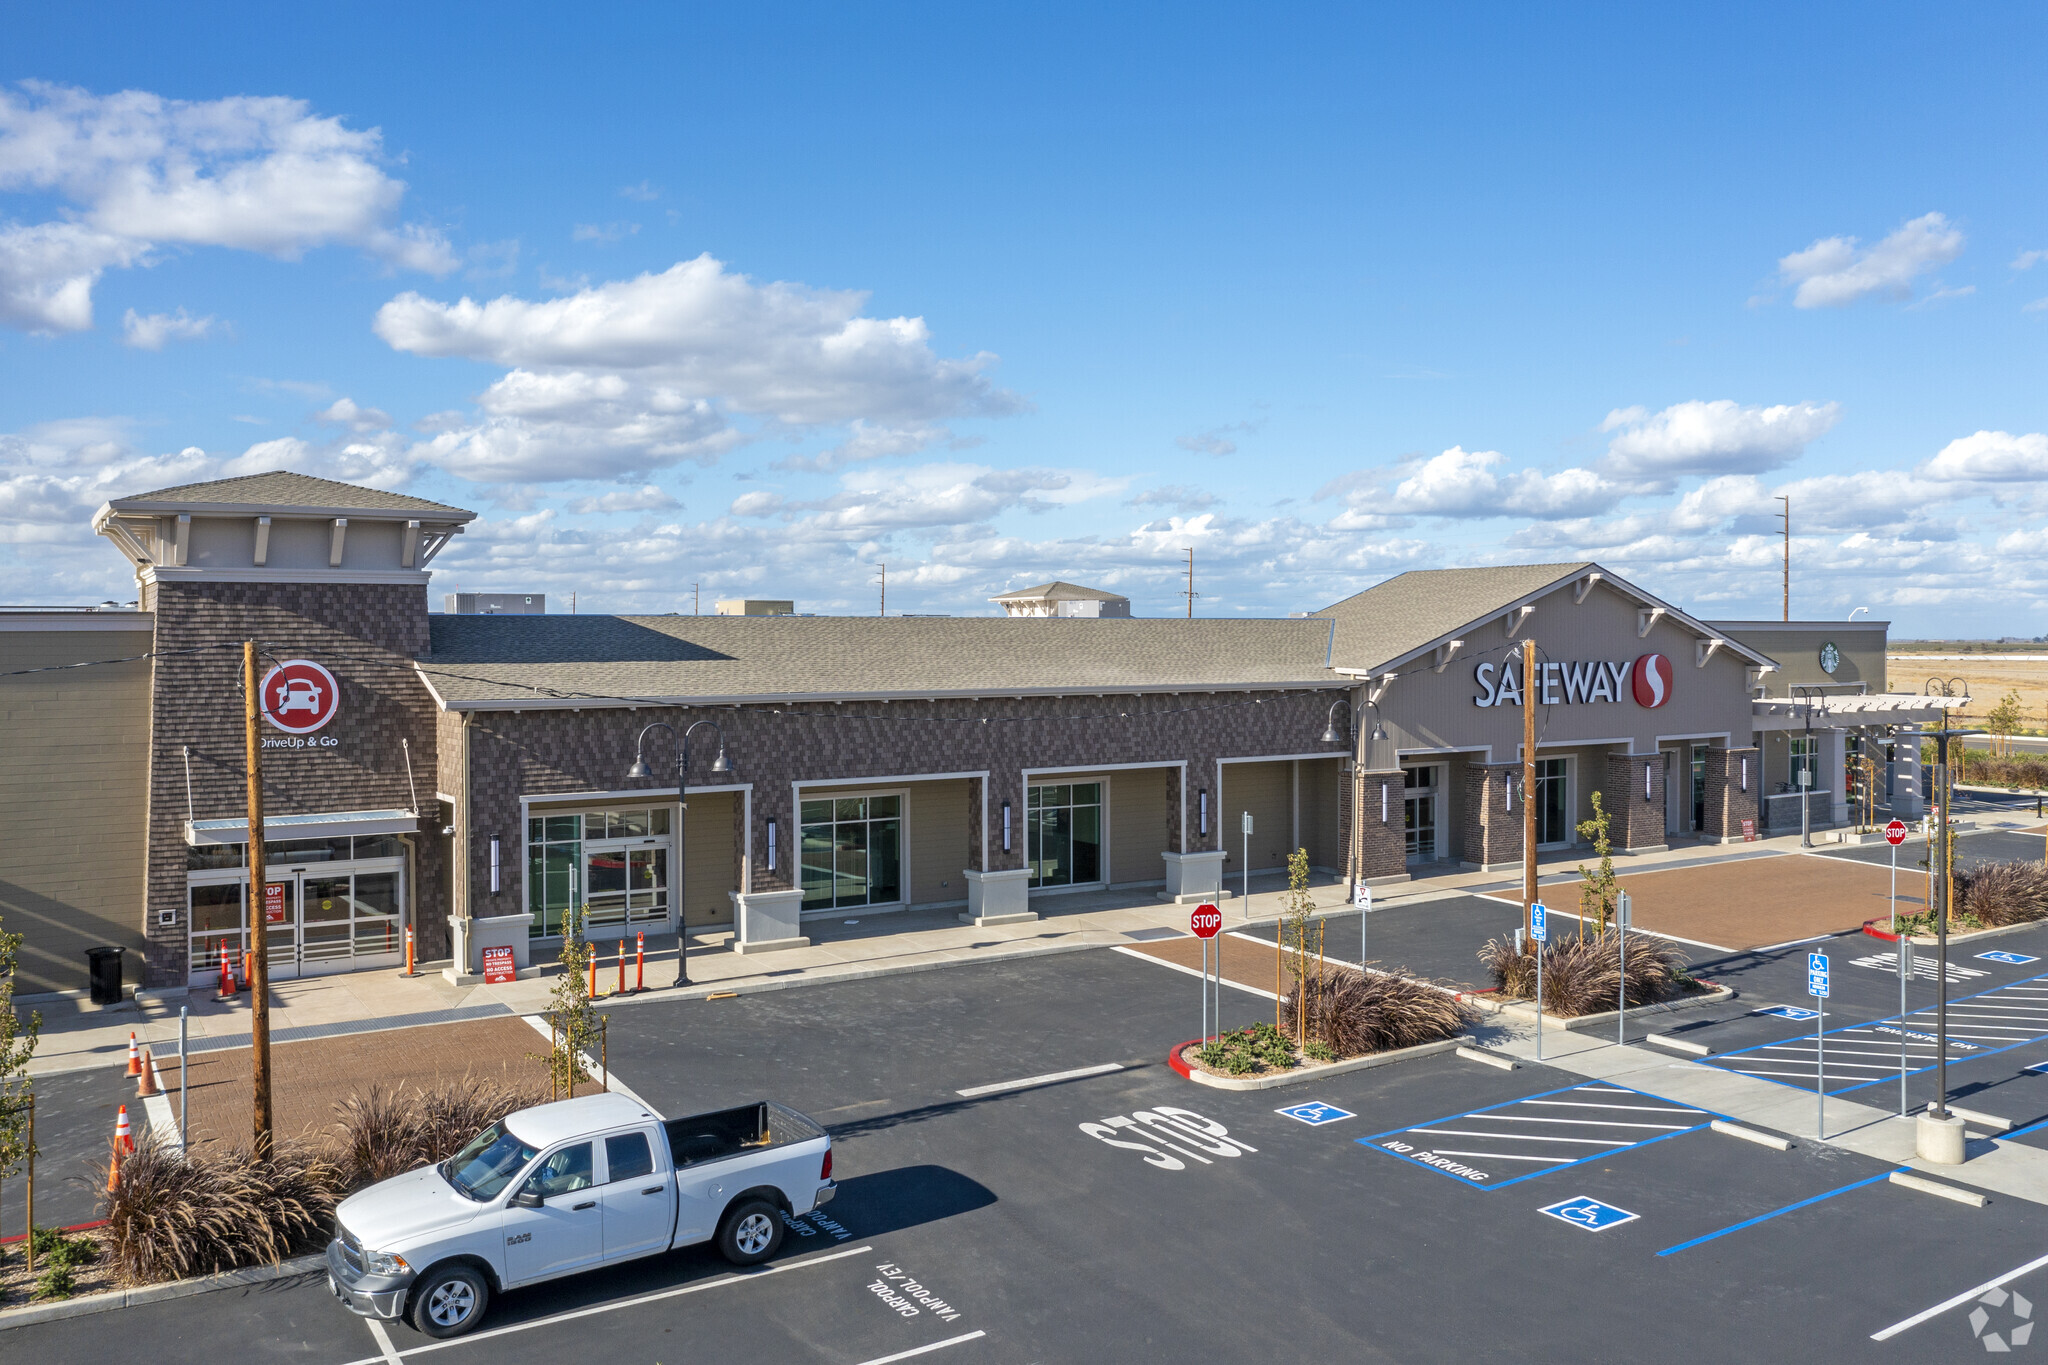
[[106, 974]]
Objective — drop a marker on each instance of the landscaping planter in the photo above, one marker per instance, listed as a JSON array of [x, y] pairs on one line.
[[1307, 1071], [1970, 936]]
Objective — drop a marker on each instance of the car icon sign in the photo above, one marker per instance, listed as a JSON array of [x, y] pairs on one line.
[[300, 694]]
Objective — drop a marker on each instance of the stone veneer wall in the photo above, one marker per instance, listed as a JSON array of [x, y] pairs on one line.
[[366, 635], [1728, 805], [1633, 821], [1493, 833], [539, 752]]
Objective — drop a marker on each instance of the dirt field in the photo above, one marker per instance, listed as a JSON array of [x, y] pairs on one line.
[[310, 1077], [1987, 682], [1758, 902]]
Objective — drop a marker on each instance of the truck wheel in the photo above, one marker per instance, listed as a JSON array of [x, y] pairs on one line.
[[751, 1234], [449, 1301]]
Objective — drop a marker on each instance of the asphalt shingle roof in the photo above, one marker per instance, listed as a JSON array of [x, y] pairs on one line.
[[1388, 620], [503, 659], [1059, 591], [282, 488]]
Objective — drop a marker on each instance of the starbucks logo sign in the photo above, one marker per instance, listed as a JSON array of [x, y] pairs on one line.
[[1830, 658]]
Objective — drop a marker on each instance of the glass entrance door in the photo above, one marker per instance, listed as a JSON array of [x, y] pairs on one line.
[[1553, 803], [1419, 801], [320, 919]]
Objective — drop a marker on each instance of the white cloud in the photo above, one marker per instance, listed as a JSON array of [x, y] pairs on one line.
[[1180, 497], [636, 375], [643, 192], [1463, 483], [345, 412], [1218, 440], [258, 174], [1992, 457], [650, 498], [1835, 271], [149, 331], [1719, 437], [2027, 260]]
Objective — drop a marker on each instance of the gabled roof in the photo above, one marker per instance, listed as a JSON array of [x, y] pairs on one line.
[[1392, 622], [281, 489], [1057, 591], [543, 662], [1409, 611]]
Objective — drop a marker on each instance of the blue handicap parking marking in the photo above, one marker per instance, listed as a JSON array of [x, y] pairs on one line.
[[2011, 959], [1316, 1113], [2037, 1066], [1589, 1214], [1505, 1144], [1789, 1012]]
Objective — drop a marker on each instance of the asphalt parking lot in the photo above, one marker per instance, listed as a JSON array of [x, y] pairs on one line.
[[1132, 1215]]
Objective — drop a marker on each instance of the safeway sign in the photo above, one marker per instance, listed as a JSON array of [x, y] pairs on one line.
[[299, 696]]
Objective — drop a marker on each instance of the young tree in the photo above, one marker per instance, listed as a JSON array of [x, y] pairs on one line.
[[575, 1023], [17, 1045], [2003, 720], [1597, 887], [1296, 921]]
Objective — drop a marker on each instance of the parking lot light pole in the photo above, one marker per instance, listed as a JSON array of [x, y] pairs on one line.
[[640, 769], [1944, 893]]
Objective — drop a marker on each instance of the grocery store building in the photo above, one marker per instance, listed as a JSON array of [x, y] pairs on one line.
[[480, 778]]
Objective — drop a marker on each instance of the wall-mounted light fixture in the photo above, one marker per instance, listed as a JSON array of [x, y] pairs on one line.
[[1508, 791], [1745, 778], [1202, 812], [1646, 782], [494, 864], [1006, 826], [771, 843], [1383, 801]]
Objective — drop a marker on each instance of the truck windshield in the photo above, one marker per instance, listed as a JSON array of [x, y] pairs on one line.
[[483, 1168]]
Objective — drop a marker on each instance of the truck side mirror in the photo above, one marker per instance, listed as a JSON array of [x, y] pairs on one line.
[[527, 1199]]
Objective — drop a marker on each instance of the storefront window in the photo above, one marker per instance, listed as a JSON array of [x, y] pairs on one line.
[[1553, 801], [1063, 833], [206, 857], [1419, 813], [852, 852], [603, 859]]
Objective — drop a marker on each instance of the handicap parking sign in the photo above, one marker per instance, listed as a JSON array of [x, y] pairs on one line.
[[1315, 1113], [2011, 959], [1789, 1012], [1589, 1214], [1817, 975]]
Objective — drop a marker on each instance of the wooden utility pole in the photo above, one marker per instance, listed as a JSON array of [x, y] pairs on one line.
[[1528, 783], [259, 908], [1787, 516], [1189, 592]]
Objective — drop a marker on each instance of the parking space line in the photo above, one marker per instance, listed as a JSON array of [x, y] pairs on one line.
[[377, 1330], [925, 1350], [1190, 971], [1050, 1078], [1508, 1138], [1958, 1301], [1767, 1217], [721, 1282]]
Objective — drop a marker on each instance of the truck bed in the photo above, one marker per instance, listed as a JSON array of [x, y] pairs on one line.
[[722, 1133]]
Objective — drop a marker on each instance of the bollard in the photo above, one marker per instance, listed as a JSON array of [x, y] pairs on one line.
[[591, 991], [640, 962], [621, 990], [411, 967]]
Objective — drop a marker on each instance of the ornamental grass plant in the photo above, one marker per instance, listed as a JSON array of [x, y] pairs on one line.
[[1580, 976], [172, 1215], [1999, 894], [1353, 1013], [389, 1131]]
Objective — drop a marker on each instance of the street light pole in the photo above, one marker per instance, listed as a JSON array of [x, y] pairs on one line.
[[640, 769], [1944, 894]]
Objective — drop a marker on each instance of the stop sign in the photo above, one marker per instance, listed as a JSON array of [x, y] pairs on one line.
[[1895, 832], [1205, 921]]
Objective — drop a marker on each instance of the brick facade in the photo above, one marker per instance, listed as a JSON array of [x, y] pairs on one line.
[[366, 635], [1635, 822], [1492, 824], [1380, 850], [1727, 804]]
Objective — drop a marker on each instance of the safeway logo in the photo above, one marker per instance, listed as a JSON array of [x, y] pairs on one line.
[[299, 696], [1652, 681]]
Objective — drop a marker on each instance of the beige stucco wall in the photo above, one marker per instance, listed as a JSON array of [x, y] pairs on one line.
[[1140, 816], [1322, 797], [1266, 789], [1795, 647], [74, 784]]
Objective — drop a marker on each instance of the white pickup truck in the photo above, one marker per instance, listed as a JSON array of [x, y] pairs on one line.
[[566, 1187]]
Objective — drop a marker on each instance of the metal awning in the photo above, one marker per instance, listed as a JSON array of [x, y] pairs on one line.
[[330, 825]]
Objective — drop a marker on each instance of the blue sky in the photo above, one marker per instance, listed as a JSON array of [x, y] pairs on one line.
[[760, 296]]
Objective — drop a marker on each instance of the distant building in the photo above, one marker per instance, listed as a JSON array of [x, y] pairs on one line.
[[494, 603], [754, 606], [1063, 599]]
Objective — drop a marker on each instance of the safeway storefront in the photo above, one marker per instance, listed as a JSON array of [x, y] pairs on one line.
[[479, 779]]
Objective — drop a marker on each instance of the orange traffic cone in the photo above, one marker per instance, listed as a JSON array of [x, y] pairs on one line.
[[124, 1139], [148, 1084], [114, 1168], [134, 1056]]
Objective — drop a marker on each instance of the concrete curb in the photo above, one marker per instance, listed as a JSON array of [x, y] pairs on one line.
[[1929, 941], [1524, 1009], [1309, 1073], [115, 1299]]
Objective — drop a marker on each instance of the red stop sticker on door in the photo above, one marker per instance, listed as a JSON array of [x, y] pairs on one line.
[[1652, 680], [299, 696]]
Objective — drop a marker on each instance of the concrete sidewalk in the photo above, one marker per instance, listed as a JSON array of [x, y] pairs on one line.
[[844, 947]]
